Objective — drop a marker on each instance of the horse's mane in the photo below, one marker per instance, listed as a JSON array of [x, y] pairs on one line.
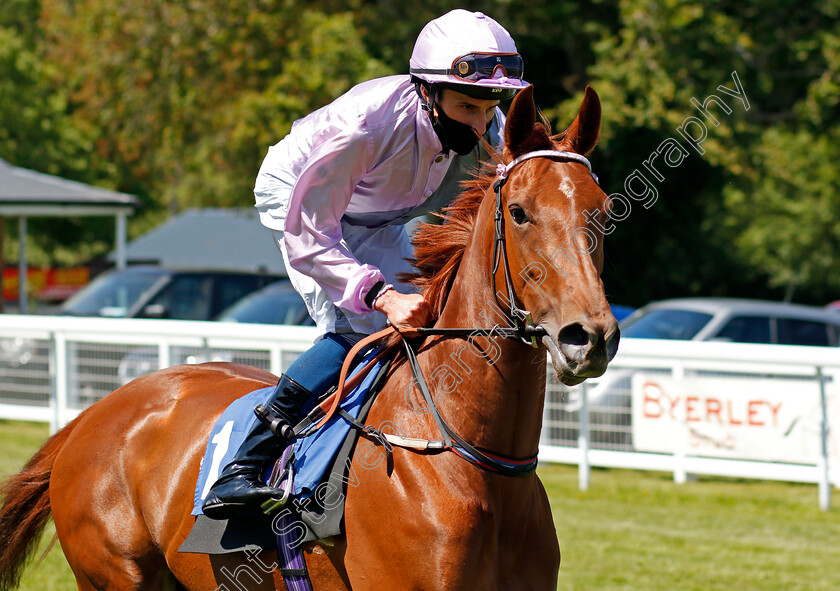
[[438, 248]]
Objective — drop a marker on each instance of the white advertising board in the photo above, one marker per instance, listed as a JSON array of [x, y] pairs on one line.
[[726, 417]]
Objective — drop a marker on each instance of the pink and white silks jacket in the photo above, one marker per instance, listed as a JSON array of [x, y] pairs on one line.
[[338, 190]]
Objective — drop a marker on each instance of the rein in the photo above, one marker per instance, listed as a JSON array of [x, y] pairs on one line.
[[523, 329]]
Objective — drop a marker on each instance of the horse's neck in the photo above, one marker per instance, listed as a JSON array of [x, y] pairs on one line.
[[494, 388]]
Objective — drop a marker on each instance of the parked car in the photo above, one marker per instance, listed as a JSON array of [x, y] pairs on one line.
[[734, 320], [277, 303], [155, 292]]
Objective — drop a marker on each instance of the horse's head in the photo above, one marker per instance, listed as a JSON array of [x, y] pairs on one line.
[[554, 219]]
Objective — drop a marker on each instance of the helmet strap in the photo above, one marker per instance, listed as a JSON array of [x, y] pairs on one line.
[[431, 92]]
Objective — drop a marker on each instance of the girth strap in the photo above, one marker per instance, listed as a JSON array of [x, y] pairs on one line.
[[290, 554]]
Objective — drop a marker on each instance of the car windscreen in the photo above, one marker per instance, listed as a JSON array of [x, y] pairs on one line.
[[269, 307], [666, 324], [111, 295]]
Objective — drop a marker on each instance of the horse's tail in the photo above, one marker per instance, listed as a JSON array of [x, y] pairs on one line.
[[26, 509]]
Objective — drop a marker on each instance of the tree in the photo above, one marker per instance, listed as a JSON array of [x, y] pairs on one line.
[[184, 97], [37, 133], [663, 55], [34, 129], [786, 213]]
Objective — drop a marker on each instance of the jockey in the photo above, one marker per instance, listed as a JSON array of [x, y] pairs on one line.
[[336, 193]]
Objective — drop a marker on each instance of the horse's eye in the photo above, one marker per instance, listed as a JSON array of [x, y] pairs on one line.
[[517, 214]]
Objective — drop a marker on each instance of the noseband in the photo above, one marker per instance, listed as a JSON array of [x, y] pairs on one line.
[[529, 332]]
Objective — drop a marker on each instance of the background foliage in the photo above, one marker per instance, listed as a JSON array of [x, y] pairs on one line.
[[176, 101]]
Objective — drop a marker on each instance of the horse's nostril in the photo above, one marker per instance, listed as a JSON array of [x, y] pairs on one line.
[[612, 344], [575, 335]]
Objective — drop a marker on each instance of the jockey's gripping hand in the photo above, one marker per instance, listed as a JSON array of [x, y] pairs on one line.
[[404, 311]]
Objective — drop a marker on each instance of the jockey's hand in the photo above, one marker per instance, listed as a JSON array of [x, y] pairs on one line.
[[404, 311]]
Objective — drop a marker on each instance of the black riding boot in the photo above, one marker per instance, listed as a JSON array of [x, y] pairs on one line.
[[240, 488]]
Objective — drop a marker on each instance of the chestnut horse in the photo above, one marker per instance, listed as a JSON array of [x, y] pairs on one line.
[[119, 479]]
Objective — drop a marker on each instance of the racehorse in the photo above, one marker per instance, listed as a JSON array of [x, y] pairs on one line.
[[119, 479]]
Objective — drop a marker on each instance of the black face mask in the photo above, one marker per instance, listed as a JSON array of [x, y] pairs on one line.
[[454, 135]]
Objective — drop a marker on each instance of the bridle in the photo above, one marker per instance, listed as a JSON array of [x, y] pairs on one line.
[[522, 328], [528, 331]]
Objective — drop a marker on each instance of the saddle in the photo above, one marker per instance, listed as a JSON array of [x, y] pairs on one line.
[[313, 472]]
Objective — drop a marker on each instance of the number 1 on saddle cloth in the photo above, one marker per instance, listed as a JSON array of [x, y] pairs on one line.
[[240, 487]]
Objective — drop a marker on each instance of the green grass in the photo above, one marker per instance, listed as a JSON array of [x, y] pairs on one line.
[[639, 530], [631, 530]]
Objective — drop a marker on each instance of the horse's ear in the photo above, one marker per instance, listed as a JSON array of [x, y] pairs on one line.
[[520, 122], [582, 135]]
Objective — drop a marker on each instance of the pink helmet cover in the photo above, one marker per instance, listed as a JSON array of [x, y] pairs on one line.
[[457, 33]]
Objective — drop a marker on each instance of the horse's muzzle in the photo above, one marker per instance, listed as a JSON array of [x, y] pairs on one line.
[[582, 350]]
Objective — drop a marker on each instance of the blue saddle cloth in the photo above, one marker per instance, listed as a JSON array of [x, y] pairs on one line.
[[313, 454]]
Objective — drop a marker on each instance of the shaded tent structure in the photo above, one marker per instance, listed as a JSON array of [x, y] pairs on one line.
[[224, 239], [26, 193]]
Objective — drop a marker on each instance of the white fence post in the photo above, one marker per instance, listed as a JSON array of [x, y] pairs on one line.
[[824, 482], [164, 358], [276, 360], [61, 389], [583, 441]]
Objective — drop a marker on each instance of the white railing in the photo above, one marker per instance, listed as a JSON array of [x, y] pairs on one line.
[[751, 411], [53, 367]]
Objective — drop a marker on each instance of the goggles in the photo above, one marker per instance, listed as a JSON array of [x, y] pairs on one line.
[[480, 66]]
